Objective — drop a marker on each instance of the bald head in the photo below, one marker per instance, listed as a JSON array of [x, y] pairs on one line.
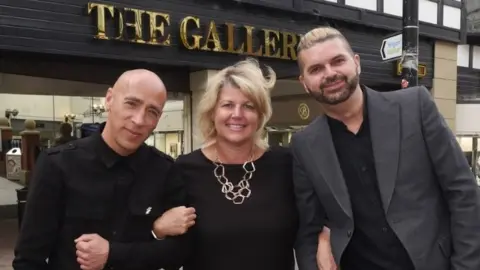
[[135, 104], [139, 78]]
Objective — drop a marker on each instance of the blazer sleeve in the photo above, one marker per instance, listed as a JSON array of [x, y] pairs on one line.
[[311, 213], [457, 183], [42, 216], [169, 253]]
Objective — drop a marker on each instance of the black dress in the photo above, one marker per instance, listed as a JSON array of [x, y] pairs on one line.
[[256, 235]]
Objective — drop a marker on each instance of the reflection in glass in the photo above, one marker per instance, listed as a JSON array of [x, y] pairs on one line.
[[469, 145]]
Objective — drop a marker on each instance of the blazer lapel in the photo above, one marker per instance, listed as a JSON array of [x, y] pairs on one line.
[[384, 117], [324, 156]]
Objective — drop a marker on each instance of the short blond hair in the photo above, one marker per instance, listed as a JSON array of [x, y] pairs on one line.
[[318, 35], [248, 77]]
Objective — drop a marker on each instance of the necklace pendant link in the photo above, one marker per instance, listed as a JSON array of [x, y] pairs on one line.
[[235, 193], [238, 200]]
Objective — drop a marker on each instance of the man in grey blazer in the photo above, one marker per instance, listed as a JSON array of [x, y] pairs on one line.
[[382, 171]]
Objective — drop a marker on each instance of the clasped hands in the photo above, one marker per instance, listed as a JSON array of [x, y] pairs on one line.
[[92, 250]]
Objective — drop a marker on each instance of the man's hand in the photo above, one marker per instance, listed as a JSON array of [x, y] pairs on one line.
[[92, 251], [175, 221], [325, 260]]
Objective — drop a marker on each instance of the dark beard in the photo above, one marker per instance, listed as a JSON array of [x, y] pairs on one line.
[[350, 86]]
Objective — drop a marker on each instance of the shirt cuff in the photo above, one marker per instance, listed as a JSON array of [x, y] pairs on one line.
[[155, 236], [117, 253]]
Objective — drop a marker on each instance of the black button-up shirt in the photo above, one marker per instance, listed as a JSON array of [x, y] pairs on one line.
[[84, 187], [373, 246]]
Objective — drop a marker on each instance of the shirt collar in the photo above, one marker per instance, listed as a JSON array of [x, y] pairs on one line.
[[335, 122], [110, 158]]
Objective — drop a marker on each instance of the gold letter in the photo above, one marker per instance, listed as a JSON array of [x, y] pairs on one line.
[[249, 37], [155, 29], [137, 24], [289, 46], [212, 36], [120, 26], [231, 40], [101, 17], [271, 43], [184, 30]]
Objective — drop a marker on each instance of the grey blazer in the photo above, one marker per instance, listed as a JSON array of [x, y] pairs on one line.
[[429, 194]]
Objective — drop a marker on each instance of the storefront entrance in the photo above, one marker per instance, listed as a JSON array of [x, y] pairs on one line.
[[281, 136]]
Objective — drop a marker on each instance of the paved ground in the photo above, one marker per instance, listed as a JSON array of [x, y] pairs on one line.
[[8, 236], [8, 196], [8, 221]]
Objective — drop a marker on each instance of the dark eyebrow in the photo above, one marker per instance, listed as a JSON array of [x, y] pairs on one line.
[[134, 99], [139, 101], [229, 101], [339, 56]]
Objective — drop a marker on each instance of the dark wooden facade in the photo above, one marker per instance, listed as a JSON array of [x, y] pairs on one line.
[[55, 38], [377, 19]]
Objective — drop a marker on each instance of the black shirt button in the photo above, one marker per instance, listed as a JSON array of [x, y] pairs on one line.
[[384, 229], [349, 234], [364, 168]]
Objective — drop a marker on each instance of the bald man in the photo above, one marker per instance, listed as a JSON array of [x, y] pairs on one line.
[[92, 202]]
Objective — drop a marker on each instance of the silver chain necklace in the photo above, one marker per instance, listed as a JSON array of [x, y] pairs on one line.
[[237, 194]]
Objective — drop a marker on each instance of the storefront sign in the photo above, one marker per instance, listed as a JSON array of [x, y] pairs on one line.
[[421, 72], [132, 26], [303, 111]]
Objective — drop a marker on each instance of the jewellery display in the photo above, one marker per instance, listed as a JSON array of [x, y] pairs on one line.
[[238, 193]]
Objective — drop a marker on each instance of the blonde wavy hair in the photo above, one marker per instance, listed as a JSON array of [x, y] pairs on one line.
[[248, 77]]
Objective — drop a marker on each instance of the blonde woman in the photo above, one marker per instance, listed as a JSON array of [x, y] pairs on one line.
[[241, 189]]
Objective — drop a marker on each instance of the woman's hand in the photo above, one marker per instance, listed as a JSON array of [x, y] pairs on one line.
[[175, 221]]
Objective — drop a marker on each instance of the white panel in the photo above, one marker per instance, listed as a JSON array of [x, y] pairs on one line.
[[466, 143], [468, 119], [365, 4], [427, 11], [463, 55], [334, 1], [476, 57], [172, 117], [452, 17], [393, 7]]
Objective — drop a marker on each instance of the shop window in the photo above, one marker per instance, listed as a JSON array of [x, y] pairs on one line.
[[476, 57], [50, 104], [463, 55], [469, 145]]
